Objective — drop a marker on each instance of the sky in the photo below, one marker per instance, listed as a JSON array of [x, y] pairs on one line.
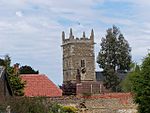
[[30, 30]]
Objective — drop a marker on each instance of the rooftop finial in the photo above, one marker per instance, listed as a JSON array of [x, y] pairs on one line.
[[63, 36], [71, 34], [83, 34], [92, 35]]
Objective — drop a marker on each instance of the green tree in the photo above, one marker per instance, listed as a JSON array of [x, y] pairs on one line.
[[111, 80], [6, 61], [69, 88], [27, 70], [14, 80], [128, 82], [17, 85], [141, 86], [114, 55], [123, 53]]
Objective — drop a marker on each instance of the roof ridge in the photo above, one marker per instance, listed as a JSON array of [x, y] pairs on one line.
[[32, 75]]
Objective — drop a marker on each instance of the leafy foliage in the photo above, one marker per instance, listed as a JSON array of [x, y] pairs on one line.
[[114, 55], [27, 105], [56, 108], [141, 87], [69, 88], [14, 80], [128, 82], [111, 80], [123, 54], [17, 85], [2, 63], [36, 105], [27, 70], [5, 62], [70, 109]]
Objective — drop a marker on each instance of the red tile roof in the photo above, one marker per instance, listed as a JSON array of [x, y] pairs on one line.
[[40, 85]]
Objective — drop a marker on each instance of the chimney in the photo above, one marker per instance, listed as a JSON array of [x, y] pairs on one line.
[[16, 69]]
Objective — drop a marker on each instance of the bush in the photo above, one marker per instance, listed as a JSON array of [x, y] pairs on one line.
[[128, 83], [69, 88], [28, 105], [2, 108], [70, 109], [141, 87], [35, 105], [55, 108]]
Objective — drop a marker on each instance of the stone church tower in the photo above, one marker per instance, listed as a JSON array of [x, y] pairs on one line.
[[78, 54]]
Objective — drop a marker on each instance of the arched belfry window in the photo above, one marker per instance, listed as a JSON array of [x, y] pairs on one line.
[[82, 63]]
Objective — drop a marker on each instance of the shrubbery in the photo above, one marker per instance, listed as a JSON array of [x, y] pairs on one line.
[[35, 105], [70, 109], [138, 82]]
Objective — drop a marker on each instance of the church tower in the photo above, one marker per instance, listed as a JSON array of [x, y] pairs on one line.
[[78, 55]]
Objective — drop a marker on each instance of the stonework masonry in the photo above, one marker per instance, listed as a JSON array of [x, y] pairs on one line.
[[102, 103], [78, 53]]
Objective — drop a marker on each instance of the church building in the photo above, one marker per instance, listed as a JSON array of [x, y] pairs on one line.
[[78, 54], [79, 62]]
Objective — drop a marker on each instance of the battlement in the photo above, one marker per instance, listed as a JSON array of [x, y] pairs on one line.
[[78, 53], [72, 39]]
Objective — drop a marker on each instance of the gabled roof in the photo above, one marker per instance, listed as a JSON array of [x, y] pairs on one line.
[[40, 85]]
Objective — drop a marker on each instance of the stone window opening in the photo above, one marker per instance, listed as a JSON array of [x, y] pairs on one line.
[[82, 63]]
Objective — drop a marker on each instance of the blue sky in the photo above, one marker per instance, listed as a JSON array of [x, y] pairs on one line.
[[30, 30]]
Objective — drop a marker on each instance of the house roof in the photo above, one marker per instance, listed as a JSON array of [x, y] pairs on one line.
[[40, 85]]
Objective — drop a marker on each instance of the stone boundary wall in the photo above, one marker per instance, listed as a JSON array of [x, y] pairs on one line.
[[102, 103]]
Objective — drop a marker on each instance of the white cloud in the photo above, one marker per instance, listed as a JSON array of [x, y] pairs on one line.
[[35, 37], [19, 14]]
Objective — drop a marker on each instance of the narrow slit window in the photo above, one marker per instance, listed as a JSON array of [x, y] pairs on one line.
[[82, 63]]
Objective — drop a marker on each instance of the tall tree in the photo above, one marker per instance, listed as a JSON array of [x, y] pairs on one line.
[[6, 61], [123, 53], [114, 55], [27, 70], [14, 80], [141, 86]]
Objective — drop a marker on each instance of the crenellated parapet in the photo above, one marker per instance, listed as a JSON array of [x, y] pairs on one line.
[[78, 57], [73, 39]]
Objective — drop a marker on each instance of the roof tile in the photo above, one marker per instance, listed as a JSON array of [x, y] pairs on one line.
[[40, 85]]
